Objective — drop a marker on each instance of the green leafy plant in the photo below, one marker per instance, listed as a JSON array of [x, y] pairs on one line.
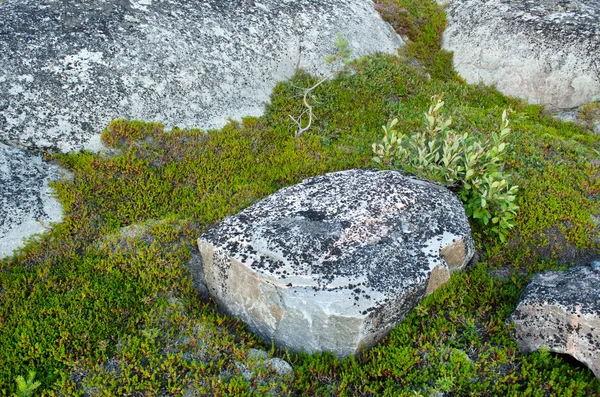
[[343, 54], [25, 388], [471, 167]]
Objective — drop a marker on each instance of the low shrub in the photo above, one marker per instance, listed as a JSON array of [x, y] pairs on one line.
[[466, 164]]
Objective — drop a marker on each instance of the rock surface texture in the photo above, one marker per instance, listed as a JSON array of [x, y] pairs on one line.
[[26, 202], [69, 67], [561, 310], [336, 261], [547, 52]]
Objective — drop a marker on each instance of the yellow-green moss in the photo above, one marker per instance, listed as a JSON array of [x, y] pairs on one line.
[[589, 114], [421, 24]]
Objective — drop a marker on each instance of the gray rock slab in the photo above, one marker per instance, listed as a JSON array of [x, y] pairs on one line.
[[27, 205], [69, 67], [336, 261], [547, 52], [561, 311]]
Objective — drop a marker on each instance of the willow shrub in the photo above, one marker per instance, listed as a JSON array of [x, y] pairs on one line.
[[472, 167]]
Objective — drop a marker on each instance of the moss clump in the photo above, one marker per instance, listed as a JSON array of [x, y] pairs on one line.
[[589, 114], [422, 25], [95, 308]]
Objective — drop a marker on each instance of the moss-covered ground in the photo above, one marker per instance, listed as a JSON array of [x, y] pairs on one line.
[[104, 303]]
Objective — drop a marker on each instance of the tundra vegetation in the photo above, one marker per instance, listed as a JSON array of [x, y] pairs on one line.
[[104, 304]]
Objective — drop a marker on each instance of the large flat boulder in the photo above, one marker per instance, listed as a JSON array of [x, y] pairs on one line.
[[561, 311], [27, 205], [336, 261], [547, 52], [69, 67]]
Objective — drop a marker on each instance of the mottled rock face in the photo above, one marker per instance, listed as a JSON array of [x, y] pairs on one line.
[[69, 67], [561, 310], [544, 51], [26, 201], [334, 262]]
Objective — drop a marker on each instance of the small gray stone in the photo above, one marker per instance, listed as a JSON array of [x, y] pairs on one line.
[[595, 265], [257, 354], [336, 261], [568, 115], [280, 366], [260, 358], [561, 311]]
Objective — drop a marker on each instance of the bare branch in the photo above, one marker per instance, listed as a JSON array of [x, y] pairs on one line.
[[343, 55], [309, 108]]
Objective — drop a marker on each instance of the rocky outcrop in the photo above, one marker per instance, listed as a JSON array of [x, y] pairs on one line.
[[69, 67], [561, 311], [547, 52], [336, 261], [27, 205]]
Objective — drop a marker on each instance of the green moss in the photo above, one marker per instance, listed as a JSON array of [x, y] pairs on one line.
[[123, 132], [105, 301], [422, 24], [589, 114]]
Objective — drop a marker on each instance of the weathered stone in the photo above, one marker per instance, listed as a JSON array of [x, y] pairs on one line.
[[336, 261], [259, 359], [69, 67], [546, 52], [281, 367], [27, 205], [561, 310]]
